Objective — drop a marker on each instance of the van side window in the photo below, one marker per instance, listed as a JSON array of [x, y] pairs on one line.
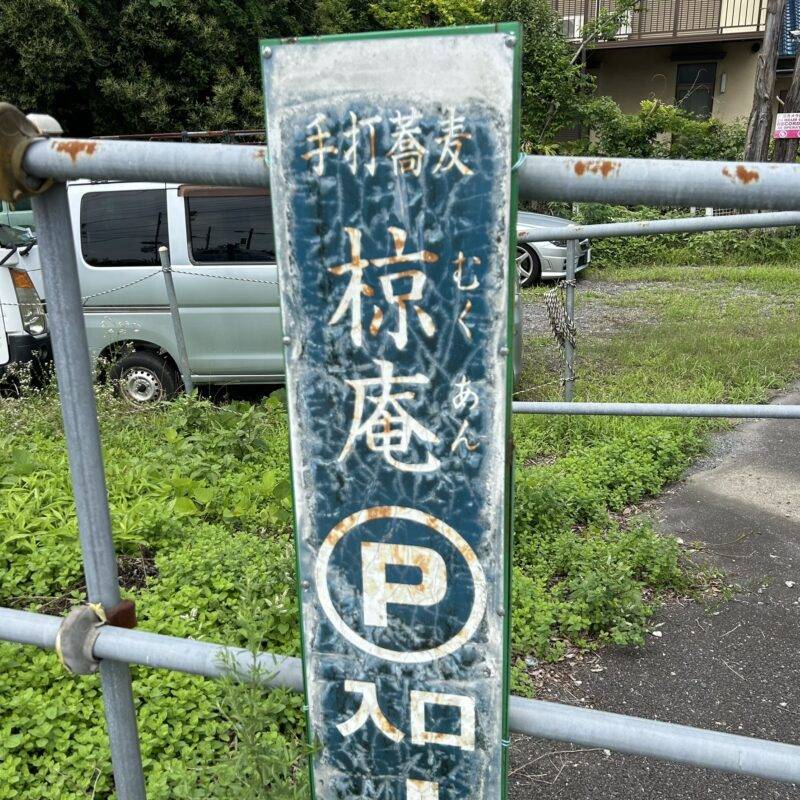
[[230, 229], [124, 229]]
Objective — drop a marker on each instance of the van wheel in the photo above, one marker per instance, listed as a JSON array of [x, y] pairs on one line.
[[529, 268], [143, 378]]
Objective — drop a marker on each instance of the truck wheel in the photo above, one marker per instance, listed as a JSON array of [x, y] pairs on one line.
[[143, 378]]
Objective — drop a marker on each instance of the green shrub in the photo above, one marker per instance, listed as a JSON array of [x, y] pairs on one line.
[[720, 248], [659, 130]]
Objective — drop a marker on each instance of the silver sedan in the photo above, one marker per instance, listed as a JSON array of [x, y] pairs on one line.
[[537, 261]]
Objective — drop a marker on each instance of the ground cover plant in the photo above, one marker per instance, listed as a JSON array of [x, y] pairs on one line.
[[200, 502]]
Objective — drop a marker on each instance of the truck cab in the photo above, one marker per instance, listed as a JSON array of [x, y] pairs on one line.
[[24, 337]]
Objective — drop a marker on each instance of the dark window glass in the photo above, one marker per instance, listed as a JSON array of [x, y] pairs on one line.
[[694, 88], [123, 229], [230, 229]]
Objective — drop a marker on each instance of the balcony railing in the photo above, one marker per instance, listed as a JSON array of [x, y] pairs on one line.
[[659, 20]]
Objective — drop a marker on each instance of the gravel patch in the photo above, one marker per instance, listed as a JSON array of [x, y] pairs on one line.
[[594, 314]]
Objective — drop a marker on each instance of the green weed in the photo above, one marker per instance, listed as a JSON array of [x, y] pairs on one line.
[[200, 500]]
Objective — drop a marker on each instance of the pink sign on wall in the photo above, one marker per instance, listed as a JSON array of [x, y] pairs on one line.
[[787, 126]]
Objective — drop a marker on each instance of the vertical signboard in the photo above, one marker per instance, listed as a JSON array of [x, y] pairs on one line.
[[391, 162]]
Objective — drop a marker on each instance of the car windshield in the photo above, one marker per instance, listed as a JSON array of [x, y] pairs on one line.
[[11, 236]]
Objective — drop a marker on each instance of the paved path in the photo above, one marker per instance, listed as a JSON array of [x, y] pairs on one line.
[[733, 666]]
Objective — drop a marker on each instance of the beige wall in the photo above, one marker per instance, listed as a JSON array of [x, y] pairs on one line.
[[740, 66], [630, 75]]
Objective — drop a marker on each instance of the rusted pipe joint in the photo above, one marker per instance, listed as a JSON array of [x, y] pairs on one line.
[[16, 134]]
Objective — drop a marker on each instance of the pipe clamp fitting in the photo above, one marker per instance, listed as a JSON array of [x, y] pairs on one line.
[[76, 637], [16, 133]]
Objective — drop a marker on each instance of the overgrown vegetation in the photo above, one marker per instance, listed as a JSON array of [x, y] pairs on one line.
[[658, 131], [200, 503], [732, 248]]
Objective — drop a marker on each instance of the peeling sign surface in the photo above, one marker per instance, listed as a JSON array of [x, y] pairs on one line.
[[391, 187]]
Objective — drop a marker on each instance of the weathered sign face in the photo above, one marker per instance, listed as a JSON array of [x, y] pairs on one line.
[[391, 163]]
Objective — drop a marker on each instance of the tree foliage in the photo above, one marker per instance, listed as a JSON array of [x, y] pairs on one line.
[[133, 66], [660, 131], [129, 66]]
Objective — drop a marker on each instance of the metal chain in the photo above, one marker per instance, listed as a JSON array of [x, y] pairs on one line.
[[124, 286], [555, 302], [146, 277], [223, 277]]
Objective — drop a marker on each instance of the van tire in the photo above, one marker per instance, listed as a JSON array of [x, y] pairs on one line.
[[143, 378]]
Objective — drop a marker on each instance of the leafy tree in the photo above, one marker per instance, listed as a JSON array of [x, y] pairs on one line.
[[134, 66], [130, 66], [403, 14], [48, 58], [555, 86]]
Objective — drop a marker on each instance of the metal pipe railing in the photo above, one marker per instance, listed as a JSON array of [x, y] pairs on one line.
[[624, 181], [569, 309], [177, 326], [81, 430], [652, 227], [730, 411], [627, 181], [172, 162], [660, 182], [583, 726]]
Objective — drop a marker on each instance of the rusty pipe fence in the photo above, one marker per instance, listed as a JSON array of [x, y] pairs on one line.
[[81, 639]]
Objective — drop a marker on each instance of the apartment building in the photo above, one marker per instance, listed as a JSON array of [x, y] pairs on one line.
[[700, 54]]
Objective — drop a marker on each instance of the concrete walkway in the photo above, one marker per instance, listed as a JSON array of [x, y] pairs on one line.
[[733, 665]]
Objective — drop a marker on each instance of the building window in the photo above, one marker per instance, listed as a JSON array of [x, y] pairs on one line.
[[694, 88], [572, 26], [232, 228], [123, 229]]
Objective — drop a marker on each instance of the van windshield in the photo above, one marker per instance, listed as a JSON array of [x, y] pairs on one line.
[[11, 237]]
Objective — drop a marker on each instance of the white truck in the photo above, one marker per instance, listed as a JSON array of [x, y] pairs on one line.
[[24, 338]]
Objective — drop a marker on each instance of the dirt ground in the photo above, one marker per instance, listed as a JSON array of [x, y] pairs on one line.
[[594, 314]]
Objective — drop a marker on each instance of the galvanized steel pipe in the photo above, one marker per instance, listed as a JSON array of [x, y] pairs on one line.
[[663, 740], [198, 658], [569, 344], [729, 410], [177, 325], [651, 227], [585, 726], [172, 162], [81, 430], [628, 181], [661, 182]]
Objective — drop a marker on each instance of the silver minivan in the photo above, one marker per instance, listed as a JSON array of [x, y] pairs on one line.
[[222, 252]]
